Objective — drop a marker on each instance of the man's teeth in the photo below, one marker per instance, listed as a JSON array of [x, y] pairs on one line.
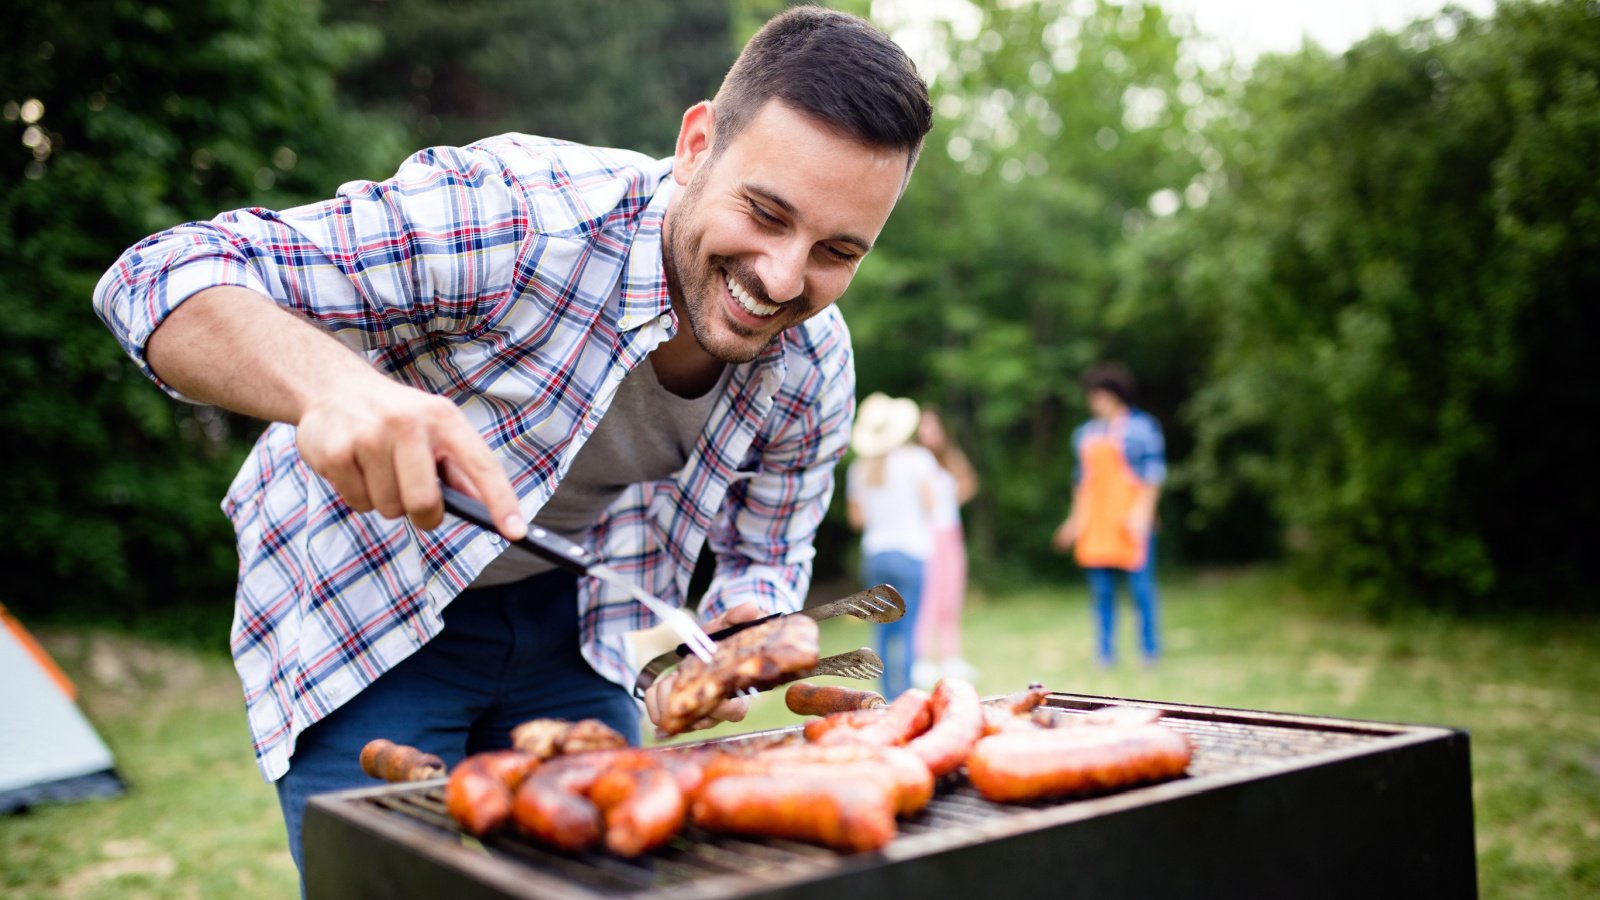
[[751, 305]]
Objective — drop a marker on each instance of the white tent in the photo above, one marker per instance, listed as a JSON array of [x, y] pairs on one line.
[[48, 751]]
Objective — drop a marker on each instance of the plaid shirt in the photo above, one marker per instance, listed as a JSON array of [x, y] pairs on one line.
[[521, 277]]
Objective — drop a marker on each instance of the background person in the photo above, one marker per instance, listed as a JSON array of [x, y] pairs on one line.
[[1120, 463], [639, 354], [945, 583], [890, 499]]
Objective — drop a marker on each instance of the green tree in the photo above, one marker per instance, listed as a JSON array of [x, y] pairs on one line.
[[1398, 266], [119, 120], [995, 284], [607, 72]]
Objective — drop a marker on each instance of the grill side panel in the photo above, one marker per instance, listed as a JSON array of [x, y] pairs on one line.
[[355, 850]]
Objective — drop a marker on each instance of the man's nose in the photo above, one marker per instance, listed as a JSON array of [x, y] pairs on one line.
[[785, 270]]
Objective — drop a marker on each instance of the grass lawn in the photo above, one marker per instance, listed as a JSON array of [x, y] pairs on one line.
[[199, 822]]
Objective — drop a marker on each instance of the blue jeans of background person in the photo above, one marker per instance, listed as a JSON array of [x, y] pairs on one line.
[[507, 654], [903, 572], [1103, 592]]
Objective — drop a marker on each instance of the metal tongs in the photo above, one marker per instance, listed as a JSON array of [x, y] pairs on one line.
[[875, 604], [564, 553]]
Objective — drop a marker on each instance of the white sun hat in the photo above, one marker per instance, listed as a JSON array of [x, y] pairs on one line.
[[883, 423]]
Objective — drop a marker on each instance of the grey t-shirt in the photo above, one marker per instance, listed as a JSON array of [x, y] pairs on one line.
[[646, 435]]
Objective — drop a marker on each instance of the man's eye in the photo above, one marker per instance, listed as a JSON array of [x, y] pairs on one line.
[[841, 255], [761, 213]]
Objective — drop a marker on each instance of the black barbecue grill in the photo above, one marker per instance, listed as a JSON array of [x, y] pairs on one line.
[[1273, 805]]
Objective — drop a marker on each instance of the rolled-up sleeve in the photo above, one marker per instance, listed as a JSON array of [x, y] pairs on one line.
[[432, 249], [152, 278]]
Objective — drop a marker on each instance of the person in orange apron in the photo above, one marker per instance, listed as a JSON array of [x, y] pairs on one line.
[[1120, 464]]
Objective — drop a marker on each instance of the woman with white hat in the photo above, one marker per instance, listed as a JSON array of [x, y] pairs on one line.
[[890, 492]]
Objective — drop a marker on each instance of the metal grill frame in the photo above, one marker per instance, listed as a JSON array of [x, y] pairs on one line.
[[1275, 805]]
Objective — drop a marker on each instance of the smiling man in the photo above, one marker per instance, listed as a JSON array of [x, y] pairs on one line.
[[639, 354], [781, 233]]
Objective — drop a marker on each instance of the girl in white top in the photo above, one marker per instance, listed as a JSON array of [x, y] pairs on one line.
[[890, 489]]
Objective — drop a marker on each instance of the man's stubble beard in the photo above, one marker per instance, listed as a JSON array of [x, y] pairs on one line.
[[696, 300]]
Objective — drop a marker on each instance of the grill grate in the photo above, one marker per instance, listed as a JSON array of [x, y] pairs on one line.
[[1229, 746]]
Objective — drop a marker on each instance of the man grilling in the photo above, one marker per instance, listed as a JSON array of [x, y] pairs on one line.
[[641, 355]]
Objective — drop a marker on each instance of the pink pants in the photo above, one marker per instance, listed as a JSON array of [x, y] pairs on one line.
[[943, 591]]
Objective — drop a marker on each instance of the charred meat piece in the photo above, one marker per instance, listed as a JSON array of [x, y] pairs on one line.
[[759, 657], [547, 738]]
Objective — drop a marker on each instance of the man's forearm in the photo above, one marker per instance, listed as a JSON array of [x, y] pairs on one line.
[[234, 348], [381, 444]]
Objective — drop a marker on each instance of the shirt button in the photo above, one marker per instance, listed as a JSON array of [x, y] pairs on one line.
[[665, 320]]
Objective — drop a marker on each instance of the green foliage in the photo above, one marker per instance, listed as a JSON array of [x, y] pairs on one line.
[[995, 285], [607, 72], [1398, 267], [122, 119]]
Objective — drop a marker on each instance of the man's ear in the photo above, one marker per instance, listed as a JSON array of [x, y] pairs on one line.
[[694, 140]]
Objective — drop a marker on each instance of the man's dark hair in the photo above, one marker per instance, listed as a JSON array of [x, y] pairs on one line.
[[835, 67], [1115, 378]]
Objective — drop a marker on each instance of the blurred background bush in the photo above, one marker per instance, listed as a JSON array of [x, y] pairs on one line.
[[1352, 284]]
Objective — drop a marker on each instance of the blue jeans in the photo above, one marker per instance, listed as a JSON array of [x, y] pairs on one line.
[[895, 639], [507, 654], [1103, 592]]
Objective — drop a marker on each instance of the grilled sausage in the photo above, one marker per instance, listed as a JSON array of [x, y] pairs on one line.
[[822, 699], [550, 804], [1021, 766], [635, 799], [479, 793], [957, 725], [910, 779], [1019, 702], [814, 729], [1011, 712], [687, 767], [383, 758], [643, 808], [851, 815], [908, 716]]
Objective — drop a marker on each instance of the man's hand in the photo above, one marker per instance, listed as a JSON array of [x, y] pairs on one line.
[[383, 446], [731, 710]]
